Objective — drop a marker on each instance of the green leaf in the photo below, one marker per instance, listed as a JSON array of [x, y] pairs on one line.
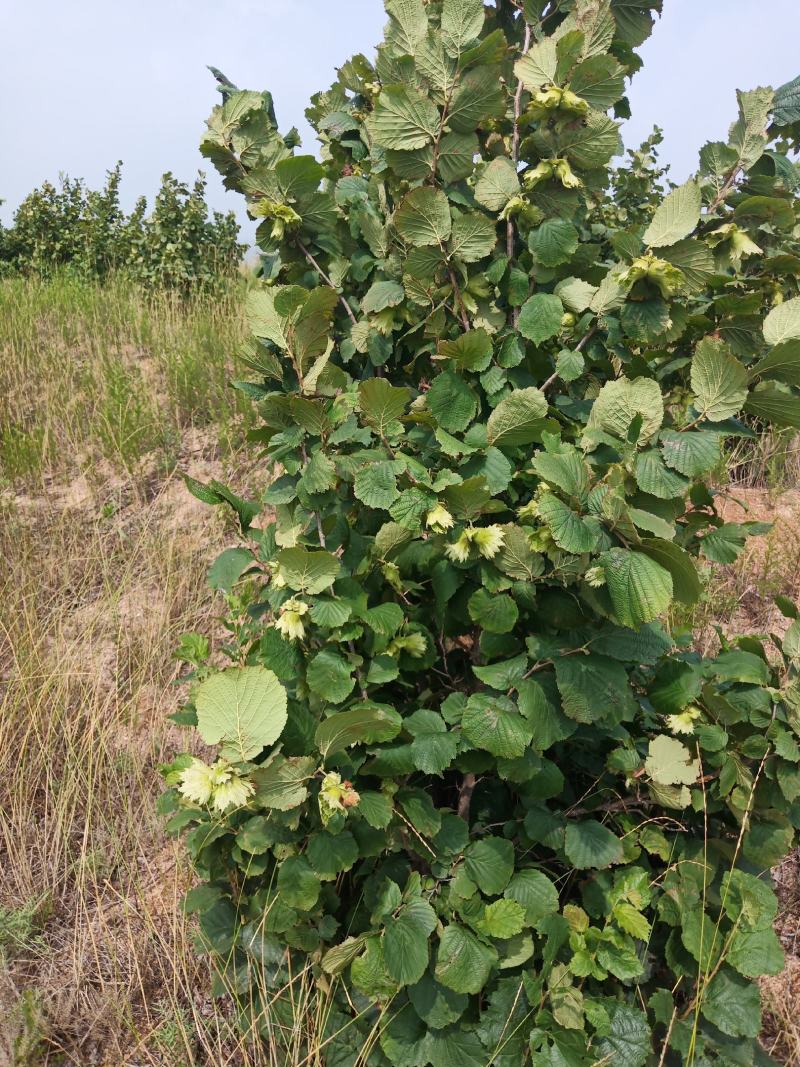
[[307, 570], [403, 118], [675, 217], [463, 963], [656, 479], [473, 237], [553, 242], [331, 854], [756, 952], [490, 864], [408, 25], [733, 1004], [452, 402], [462, 22], [385, 619], [434, 747], [496, 613], [600, 80], [640, 589], [492, 723], [503, 919], [382, 405], [470, 351], [435, 1004], [593, 142], [535, 892], [589, 844], [569, 530], [774, 405], [539, 66], [686, 584], [497, 184], [365, 723], [382, 295], [337, 958], [719, 380], [670, 763], [540, 317], [783, 362], [330, 676], [228, 567], [281, 783], [241, 708], [405, 941], [628, 1042], [692, 452], [593, 687], [369, 972], [423, 217], [620, 401], [479, 96], [518, 418], [298, 885], [516, 558], [376, 485]]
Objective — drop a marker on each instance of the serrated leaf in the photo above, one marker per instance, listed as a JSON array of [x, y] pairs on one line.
[[569, 531], [376, 485], [692, 452], [495, 613], [592, 688], [503, 919], [492, 723], [243, 709], [518, 418], [783, 362], [473, 237], [463, 963], [535, 892], [298, 885], [423, 217], [228, 567], [497, 184], [365, 723], [553, 242], [331, 854], [640, 589], [307, 570], [280, 784], [462, 22], [774, 405], [405, 941], [382, 295], [590, 844], [403, 118], [435, 1004], [656, 479], [619, 402], [471, 351], [330, 676], [452, 401], [540, 317], [675, 217], [670, 763], [382, 404], [719, 380], [733, 1004], [628, 1042]]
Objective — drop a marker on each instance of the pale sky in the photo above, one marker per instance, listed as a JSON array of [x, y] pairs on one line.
[[88, 82]]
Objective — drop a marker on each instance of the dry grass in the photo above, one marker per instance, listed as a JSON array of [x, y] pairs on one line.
[[103, 557]]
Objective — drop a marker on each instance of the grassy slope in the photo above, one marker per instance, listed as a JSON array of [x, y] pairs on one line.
[[102, 566]]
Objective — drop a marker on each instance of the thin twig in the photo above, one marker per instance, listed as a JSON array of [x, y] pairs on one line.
[[459, 301], [583, 341]]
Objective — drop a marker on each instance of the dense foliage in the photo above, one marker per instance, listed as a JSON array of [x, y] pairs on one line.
[[176, 246], [463, 764]]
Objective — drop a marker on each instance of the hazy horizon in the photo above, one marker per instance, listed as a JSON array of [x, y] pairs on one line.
[[131, 83]]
